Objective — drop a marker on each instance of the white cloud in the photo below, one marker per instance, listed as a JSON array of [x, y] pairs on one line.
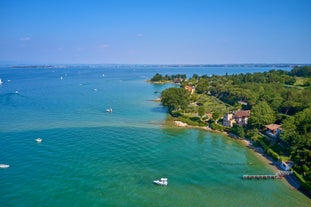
[[25, 39]]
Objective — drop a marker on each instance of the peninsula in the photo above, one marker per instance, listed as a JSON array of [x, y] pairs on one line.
[[271, 110]]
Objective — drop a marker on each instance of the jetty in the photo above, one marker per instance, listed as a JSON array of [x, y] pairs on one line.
[[278, 175]]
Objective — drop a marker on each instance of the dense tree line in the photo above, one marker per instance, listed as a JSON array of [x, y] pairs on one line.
[[304, 71], [274, 87], [276, 96], [160, 78]]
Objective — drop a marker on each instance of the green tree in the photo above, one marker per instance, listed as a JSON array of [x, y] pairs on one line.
[[156, 77], [262, 114], [202, 86], [175, 98], [304, 71], [253, 134], [238, 130], [216, 115], [195, 76], [297, 129], [201, 111], [194, 97]]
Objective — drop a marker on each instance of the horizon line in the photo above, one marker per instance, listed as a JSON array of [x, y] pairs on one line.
[[148, 64]]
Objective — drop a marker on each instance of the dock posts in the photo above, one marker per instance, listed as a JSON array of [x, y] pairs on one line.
[[278, 175]]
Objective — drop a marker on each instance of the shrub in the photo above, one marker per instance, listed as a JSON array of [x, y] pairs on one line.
[[273, 154], [302, 182], [216, 127], [261, 143], [305, 168], [193, 121]]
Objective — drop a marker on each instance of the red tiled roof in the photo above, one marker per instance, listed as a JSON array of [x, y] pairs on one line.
[[242, 113], [189, 88], [273, 127]]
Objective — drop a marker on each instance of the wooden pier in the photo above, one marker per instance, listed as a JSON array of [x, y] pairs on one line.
[[278, 175]]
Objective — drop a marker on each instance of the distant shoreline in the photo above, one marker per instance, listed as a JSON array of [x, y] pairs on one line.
[[116, 65]]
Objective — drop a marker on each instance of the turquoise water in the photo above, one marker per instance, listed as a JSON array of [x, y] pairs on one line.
[[89, 157]]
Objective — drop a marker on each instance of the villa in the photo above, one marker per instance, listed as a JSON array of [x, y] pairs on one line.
[[236, 117], [190, 89]]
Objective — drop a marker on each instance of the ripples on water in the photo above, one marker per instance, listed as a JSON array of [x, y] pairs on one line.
[[92, 158]]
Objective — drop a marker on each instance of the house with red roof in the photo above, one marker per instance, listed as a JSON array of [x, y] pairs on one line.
[[239, 117], [273, 130], [190, 89]]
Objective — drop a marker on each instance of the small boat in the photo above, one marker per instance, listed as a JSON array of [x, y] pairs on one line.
[[1, 81], [109, 110], [4, 166], [162, 181], [39, 140]]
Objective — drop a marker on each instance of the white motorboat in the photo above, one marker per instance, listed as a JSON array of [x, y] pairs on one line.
[[4, 166], [162, 181], [1, 81], [39, 140], [109, 110]]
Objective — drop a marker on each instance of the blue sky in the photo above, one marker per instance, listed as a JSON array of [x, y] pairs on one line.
[[155, 31]]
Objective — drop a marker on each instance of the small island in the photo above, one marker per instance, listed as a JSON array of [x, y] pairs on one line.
[[271, 110]]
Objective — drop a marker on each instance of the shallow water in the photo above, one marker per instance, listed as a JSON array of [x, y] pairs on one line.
[[89, 157]]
